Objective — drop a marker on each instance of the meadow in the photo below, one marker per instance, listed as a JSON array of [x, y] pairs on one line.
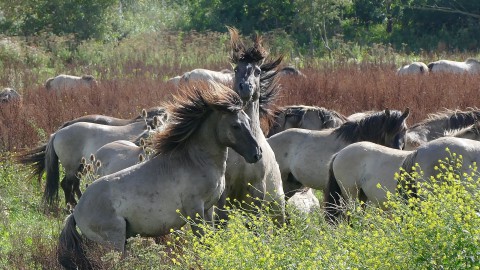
[[441, 232]]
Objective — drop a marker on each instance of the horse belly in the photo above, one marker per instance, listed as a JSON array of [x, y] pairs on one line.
[[311, 169]]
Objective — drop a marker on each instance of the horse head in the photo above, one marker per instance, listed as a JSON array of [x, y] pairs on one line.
[[247, 63], [235, 132], [395, 128]]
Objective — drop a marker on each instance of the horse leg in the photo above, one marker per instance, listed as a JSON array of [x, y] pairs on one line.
[[197, 214], [76, 187], [209, 218], [220, 214], [291, 186], [67, 187], [257, 195]]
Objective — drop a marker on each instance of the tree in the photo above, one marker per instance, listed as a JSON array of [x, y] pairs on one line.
[[318, 18], [83, 18]]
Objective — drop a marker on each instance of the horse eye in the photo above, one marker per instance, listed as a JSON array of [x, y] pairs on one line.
[[236, 126], [235, 69], [257, 72]]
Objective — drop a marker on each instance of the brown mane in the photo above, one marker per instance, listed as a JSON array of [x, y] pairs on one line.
[[189, 109]]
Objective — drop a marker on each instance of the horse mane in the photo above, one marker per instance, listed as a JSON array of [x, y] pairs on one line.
[[189, 109], [473, 128], [372, 127], [456, 119], [472, 61], [240, 52], [88, 77]]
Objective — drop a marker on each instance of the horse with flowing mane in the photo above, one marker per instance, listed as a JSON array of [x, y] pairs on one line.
[[255, 81], [436, 124], [184, 178], [303, 155]]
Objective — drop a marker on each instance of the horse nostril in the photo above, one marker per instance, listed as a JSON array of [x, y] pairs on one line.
[[240, 85]]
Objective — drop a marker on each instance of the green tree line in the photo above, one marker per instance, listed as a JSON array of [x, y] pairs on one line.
[[313, 24]]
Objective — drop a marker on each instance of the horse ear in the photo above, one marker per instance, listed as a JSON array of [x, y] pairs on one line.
[[406, 113], [387, 112]]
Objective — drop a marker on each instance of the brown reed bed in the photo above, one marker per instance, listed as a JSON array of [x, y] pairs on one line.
[[346, 89]]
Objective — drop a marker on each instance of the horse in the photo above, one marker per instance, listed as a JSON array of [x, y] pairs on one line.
[[68, 146], [435, 126], [414, 68], [291, 71], [356, 170], [69, 82], [303, 155], [185, 177], [225, 76], [470, 66], [255, 81], [306, 117], [118, 155], [9, 95], [147, 115]]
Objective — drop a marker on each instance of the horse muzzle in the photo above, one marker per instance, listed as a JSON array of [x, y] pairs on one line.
[[256, 156], [245, 91]]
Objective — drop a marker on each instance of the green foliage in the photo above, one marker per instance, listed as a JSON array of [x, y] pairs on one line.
[[84, 18]]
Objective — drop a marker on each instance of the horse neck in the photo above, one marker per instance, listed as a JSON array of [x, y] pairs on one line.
[[431, 128], [252, 109], [204, 148], [437, 127]]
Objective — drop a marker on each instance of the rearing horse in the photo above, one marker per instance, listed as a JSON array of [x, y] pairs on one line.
[[255, 83]]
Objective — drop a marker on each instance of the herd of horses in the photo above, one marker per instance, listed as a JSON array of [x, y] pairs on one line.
[[469, 66], [276, 157]]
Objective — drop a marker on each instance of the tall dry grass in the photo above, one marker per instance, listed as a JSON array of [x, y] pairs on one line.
[[353, 89], [347, 89]]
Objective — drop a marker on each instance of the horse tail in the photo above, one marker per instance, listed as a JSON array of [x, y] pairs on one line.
[[48, 83], [332, 195], [407, 187], [71, 253], [430, 66], [35, 158], [53, 173]]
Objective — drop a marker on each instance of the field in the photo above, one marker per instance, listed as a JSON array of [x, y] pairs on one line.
[[132, 76]]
